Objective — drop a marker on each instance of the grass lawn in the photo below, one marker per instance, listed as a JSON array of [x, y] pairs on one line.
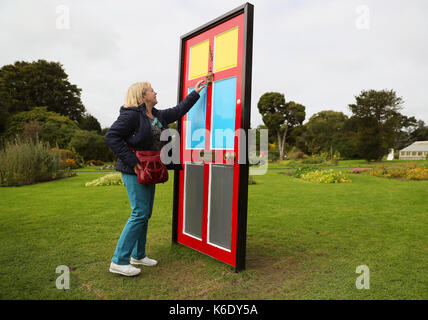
[[352, 163], [304, 241], [92, 168]]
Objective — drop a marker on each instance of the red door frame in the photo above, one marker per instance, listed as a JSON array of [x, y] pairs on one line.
[[242, 18]]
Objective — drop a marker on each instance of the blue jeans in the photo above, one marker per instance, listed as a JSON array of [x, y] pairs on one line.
[[132, 241]]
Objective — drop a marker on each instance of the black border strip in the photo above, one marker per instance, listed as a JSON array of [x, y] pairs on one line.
[[241, 235]]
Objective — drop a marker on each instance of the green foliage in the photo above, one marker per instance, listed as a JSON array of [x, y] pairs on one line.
[[298, 137], [91, 145], [80, 161], [295, 154], [70, 158], [112, 179], [25, 86], [324, 129], [52, 127], [280, 116], [94, 163], [271, 106], [369, 141], [305, 169], [325, 176], [378, 119], [90, 123], [323, 158], [407, 171], [27, 162], [420, 133]]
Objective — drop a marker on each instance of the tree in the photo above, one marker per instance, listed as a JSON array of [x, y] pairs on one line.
[[369, 141], [91, 146], [280, 116], [90, 123], [25, 86], [347, 142], [378, 120], [420, 133], [298, 137], [324, 130], [53, 127]]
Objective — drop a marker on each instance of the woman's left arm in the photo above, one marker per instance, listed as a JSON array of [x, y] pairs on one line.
[[173, 114]]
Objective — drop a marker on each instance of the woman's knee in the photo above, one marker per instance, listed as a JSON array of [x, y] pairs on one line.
[[140, 215]]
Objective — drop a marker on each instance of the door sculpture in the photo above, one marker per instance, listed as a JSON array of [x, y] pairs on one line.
[[211, 190]]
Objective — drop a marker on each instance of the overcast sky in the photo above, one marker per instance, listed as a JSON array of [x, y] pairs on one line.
[[318, 53]]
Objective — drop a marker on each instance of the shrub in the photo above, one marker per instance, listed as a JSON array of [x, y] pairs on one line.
[[295, 154], [49, 126], [406, 171], [27, 162], [417, 174], [313, 160], [112, 179], [91, 145], [274, 155], [70, 163], [325, 176], [70, 158], [80, 162], [323, 158], [305, 169], [94, 163], [63, 153]]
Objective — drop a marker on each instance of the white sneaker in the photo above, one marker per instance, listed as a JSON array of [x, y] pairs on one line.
[[145, 262], [126, 270]]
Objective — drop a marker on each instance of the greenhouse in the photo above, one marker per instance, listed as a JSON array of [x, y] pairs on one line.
[[416, 151]]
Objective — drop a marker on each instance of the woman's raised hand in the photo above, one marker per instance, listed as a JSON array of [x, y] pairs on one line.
[[199, 86]]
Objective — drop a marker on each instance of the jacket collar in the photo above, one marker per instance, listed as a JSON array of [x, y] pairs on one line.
[[142, 107]]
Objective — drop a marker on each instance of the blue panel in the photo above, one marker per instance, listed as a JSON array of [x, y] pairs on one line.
[[223, 114], [196, 119]]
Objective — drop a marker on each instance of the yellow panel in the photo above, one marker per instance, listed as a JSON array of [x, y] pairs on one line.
[[199, 55], [226, 50]]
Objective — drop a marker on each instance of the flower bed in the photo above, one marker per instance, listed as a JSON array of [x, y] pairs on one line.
[[359, 170], [325, 176], [405, 172], [112, 179]]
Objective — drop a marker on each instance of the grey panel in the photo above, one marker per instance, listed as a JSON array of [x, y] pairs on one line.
[[220, 216], [194, 195]]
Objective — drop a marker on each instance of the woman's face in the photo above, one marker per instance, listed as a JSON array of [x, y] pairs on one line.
[[150, 96]]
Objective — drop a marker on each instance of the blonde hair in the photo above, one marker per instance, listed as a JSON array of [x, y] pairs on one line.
[[134, 96]]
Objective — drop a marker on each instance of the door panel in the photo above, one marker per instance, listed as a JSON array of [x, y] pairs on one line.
[[210, 195], [220, 206], [193, 195], [223, 114]]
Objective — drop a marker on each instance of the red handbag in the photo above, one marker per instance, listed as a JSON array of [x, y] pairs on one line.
[[153, 170]]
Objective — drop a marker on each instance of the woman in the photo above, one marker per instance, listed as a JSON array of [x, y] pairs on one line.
[[139, 126]]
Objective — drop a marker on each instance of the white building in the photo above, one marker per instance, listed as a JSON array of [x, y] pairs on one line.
[[416, 151]]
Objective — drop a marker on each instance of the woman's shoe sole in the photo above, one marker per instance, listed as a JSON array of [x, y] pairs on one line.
[[124, 274]]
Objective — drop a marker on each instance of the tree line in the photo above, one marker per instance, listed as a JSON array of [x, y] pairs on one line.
[[38, 101], [375, 126]]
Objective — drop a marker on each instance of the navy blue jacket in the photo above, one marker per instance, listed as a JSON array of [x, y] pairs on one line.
[[133, 127]]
